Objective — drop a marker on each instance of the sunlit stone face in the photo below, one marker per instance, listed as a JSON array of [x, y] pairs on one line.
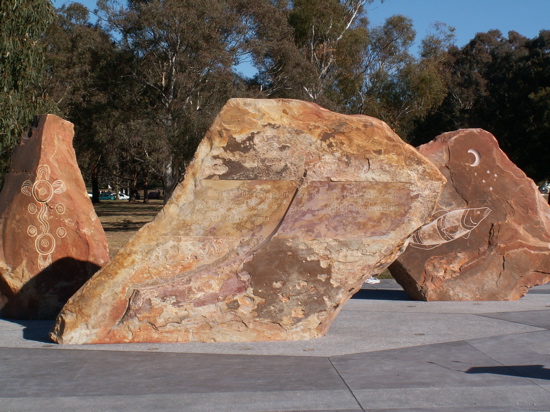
[[285, 210]]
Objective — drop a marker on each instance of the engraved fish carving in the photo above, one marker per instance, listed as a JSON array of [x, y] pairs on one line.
[[448, 227]]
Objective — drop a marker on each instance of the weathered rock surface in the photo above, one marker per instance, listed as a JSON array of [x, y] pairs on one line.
[[490, 237], [284, 211], [51, 240]]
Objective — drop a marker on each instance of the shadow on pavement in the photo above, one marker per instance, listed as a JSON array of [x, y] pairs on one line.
[[525, 371], [35, 330], [381, 294]]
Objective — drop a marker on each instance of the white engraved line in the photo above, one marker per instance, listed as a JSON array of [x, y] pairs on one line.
[[43, 191], [437, 232], [477, 157]]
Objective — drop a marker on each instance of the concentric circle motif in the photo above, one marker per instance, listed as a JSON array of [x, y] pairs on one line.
[[32, 208], [61, 232], [60, 208], [32, 231], [45, 244], [42, 191]]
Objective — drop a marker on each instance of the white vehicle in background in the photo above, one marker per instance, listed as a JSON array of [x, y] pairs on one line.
[[545, 189], [122, 196]]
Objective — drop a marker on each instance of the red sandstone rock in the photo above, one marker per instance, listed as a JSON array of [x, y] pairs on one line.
[[51, 239], [285, 210], [490, 237]]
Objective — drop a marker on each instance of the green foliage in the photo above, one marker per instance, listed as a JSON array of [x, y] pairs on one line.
[[143, 85], [83, 72], [183, 56], [22, 25], [283, 70], [500, 84], [310, 50]]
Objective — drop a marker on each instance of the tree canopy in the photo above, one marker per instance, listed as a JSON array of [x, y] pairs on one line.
[[22, 26], [501, 84], [144, 82]]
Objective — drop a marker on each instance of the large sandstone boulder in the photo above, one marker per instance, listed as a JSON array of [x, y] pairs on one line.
[[283, 213], [51, 240], [490, 236]]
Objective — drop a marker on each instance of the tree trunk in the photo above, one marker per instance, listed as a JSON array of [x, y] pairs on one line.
[[170, 178], [146, 187], [95, 183], [133, 189]]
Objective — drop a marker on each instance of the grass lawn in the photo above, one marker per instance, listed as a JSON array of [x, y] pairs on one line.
[[121, 219]]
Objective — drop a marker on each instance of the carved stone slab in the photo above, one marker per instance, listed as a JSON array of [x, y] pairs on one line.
[[51, 239], [285, 210], [490, 236]]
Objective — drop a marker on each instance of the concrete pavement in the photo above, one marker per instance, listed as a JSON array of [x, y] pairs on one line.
[[383, 352]]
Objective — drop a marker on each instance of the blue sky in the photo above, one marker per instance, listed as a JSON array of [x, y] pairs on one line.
[[468, 17]]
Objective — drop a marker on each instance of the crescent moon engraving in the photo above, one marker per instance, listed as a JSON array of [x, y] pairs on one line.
[[476, 155]]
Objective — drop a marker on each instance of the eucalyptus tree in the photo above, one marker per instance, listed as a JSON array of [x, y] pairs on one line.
[[326, 51], [501, 84], [83, 75], [331, 35], [395, 85], [22, 25], [308, 49], [421, 84], [383, 59], [183, 53]]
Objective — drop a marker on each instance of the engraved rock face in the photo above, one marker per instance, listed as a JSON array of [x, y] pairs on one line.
[[489, 238], [285, 210], [51, 240]]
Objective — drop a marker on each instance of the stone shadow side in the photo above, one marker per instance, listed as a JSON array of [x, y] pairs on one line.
[[43, 296]]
